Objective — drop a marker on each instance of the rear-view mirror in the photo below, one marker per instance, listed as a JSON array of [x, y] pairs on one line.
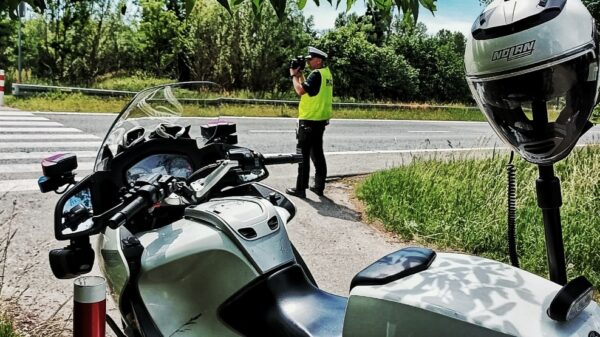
[[74, 212]]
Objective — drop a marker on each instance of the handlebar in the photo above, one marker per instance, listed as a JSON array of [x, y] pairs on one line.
[[278, 159], [151, 189], [131, 209]]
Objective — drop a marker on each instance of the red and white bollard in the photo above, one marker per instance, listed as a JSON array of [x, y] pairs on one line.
[[89, 309], [1, 87]]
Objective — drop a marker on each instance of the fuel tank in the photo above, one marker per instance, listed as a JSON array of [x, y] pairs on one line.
[[463, 296], [192, 266]]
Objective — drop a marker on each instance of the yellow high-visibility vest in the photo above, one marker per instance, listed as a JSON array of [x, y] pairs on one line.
[[318, 107]]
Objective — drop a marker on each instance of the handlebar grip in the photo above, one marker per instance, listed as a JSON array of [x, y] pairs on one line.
[[277, 159], [130, 210]]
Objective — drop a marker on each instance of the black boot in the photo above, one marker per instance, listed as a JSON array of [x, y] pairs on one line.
[[296, 192], [316, 190]]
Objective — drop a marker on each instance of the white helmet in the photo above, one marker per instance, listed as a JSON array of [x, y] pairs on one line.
[[532, 67]]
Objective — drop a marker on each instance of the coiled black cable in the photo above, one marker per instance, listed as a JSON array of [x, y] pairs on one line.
[[512, 211]]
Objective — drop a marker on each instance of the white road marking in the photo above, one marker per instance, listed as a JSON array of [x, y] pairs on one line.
[[271, 131], [430, 131], [10, 145], [23, 168], [41, 155], [39, 130], [224, 118], [46, 136], [15, 113], [22, 118], [30, 124], [345, 153]]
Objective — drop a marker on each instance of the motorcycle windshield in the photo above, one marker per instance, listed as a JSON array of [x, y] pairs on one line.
[[158, 112]]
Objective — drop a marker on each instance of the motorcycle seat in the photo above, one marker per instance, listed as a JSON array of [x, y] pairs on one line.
[[394, 266], [287, 304]]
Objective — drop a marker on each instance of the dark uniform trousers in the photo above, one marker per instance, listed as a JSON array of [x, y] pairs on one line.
[[310, 145]]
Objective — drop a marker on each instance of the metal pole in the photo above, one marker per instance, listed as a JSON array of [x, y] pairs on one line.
[[549, 200], [89, 307]]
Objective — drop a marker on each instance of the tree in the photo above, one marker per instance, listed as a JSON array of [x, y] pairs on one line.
[[409, 8], [364, 70], [240, 52], [7, 42], [439, 60]]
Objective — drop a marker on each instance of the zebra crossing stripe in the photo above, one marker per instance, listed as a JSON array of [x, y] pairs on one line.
[[22, 118], [2, 123], [15, 113], [46, 136], [58, 130], [30, 145], [41, 155], [24, 168]]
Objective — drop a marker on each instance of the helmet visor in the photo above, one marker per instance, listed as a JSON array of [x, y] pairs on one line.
[[541, 113]]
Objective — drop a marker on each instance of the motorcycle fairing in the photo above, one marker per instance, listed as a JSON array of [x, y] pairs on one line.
[[188, 269], [285, 303]]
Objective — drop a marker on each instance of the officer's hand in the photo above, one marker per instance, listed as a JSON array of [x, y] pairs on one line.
[[294, 72]]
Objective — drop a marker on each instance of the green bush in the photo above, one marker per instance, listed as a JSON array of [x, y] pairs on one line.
[[461, 205]]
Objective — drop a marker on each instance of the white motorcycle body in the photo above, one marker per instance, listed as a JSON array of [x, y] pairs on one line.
[[192, 268]]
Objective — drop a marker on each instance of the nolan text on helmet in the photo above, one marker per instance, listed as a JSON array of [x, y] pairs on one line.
[[514, 52]]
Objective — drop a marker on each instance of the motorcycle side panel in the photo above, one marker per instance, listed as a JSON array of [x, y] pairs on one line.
[[112, 262], [460, 295], [188, 270]]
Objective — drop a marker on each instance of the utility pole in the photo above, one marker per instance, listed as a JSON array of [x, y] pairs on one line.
[[21, 14]]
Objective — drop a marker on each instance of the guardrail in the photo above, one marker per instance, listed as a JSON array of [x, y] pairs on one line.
[[19, 89], [28, 89]]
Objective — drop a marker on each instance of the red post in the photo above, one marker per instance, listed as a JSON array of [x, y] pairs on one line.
[[1, 87], [89, 309]]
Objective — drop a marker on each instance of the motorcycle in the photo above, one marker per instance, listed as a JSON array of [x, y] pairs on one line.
[[193, 244]]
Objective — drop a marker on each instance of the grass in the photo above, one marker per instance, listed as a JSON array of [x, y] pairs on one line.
[[81, 103], [461, 205], [6, 328], [135, 82]]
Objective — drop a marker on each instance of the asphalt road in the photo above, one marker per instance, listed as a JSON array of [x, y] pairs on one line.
[[327, 231]]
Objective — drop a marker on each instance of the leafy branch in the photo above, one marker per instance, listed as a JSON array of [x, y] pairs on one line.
[[409, 8]]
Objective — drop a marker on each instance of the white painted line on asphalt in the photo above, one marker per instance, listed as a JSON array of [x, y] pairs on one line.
[[18, 168], [10, 145], [272, 118], [271, 131], [46, 136], [430, 131], [22, 118], [344, 153], [40, 155], [113, 114], [39, 130], [15, 113], [30, 124]]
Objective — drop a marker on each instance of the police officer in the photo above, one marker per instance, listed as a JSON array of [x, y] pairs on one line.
[[314, 112]]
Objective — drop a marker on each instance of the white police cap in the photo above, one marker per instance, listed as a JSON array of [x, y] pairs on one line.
[[314, 52]]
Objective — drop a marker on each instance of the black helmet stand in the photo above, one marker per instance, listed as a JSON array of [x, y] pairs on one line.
[[549, 200]]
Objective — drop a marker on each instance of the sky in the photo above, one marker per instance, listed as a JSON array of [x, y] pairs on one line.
[[453, 15]]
